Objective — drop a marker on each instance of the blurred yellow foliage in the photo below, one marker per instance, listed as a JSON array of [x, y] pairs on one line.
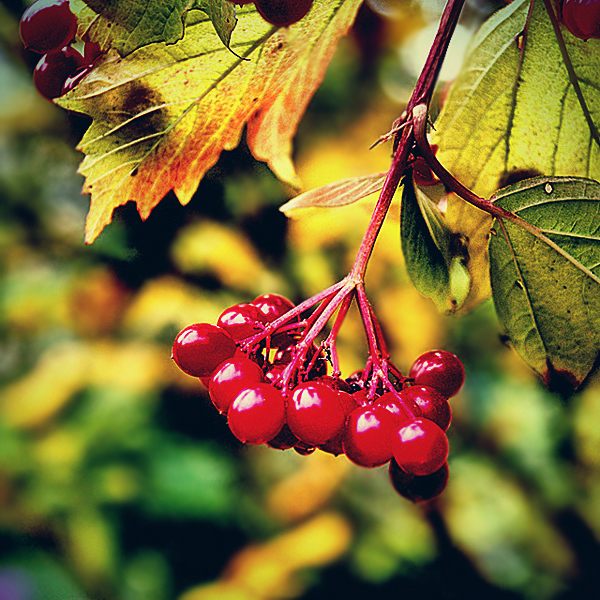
[[307, 489], [269, 571], [211, 248], [65, 369]]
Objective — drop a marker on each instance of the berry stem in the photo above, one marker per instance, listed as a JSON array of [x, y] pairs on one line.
[[330, 342], [404, 138]]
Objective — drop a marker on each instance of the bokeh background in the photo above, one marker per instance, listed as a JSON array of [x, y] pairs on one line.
[[119, 481]]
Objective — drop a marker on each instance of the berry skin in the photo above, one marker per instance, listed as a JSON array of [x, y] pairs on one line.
[[54, 70], [74, 79], [418, 488], [314, 413], [230, 378], [398, 405], [582, 18], [440, 370], [368, 435], [257, 414], [272, 306], [434, 405], [420, 447], [242, 321], [47, 26], [200, 348], [282, 12]]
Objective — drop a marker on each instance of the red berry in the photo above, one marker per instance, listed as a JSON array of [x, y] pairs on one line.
[[314, 413], [257, 414], [440, 370], [200, 348], [336, 383], [242, 321], [434, 405], [74, 79], [420, 447], [48, 26], [272, 306], [368, 436], [582, 18], [54, 70], [230, 378], [282, 12], [404, 408], [418, 488]]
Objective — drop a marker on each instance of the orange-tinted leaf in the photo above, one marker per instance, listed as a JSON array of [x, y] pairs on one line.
[[163, 114]]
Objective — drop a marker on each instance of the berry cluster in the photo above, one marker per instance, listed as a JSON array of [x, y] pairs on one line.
[[272, 385], [279, 12], [48, 27], [582, 18]]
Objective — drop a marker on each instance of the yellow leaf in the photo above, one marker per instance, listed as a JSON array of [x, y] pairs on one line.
[[162, 115]]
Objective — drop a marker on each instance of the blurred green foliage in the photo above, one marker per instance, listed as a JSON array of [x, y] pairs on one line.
[[118, 480]]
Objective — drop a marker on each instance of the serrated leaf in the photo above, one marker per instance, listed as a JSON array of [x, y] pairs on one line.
[[162, 115], [429, 249], [128, 25], [546, 286], [338, 193], [513, 112]]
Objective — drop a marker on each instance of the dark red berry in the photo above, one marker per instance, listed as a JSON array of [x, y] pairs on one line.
[[74, 79], [257, 414], [200, 348], [418, 488], [314, 413], [284, 440], [47, 26], [282, 12], [242, 321], [368, 436], [420, 447], [440, 370], [336, 383], [434, 405], [582, 18], [304, 449], [230, 378], [91, 52], [53, 70]]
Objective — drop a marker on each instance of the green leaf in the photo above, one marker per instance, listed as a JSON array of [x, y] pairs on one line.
[[128, 25], [546, 283], [339, 193], [431, 250], [513, 112]]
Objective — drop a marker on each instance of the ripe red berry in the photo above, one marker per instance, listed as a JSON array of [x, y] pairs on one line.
[[74, 79], [242, 321], [439, 369], [257, 414], [368, 435], [200, 348], [272, 306], [582, 18], [282, 12], [434, 405], [405, 409], [53, 71], [230, 378], [420, 447], [48, 26], [314, 413], [418, 488]]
